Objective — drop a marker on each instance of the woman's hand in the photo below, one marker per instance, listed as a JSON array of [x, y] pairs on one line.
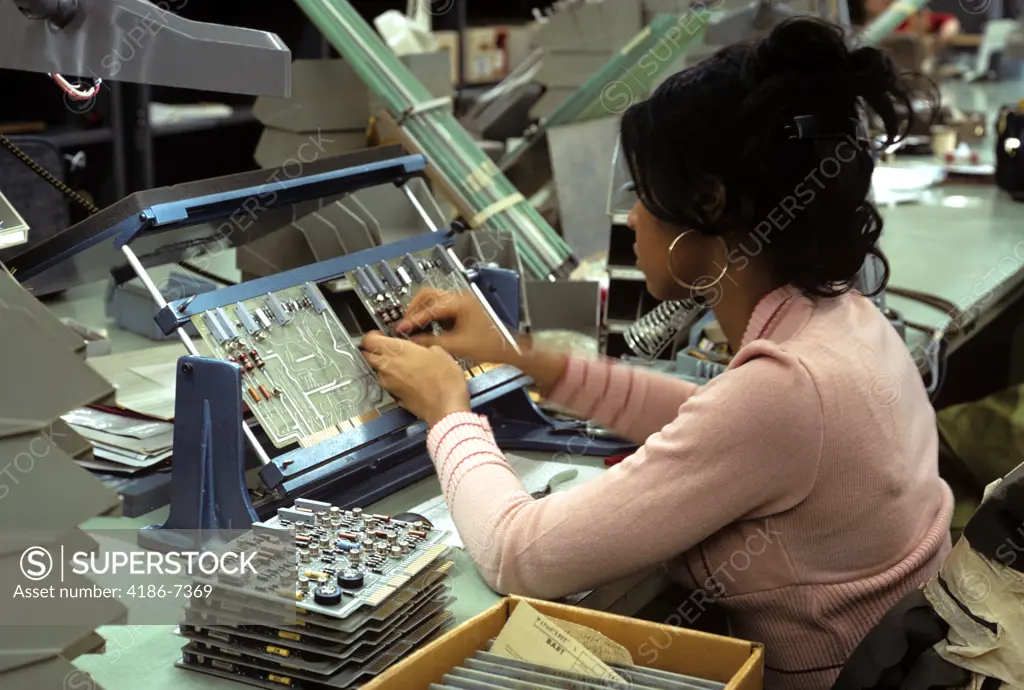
[[424, 380], [471, 334]]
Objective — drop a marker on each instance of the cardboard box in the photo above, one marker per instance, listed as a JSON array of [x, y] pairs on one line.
[[735, 662], [485, 54]]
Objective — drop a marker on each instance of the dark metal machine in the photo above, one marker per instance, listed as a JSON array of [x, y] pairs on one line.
[[140, 42]]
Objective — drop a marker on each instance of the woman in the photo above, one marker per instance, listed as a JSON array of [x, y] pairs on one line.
[[800, 488]]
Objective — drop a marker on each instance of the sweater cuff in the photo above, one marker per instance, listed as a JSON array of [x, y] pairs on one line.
[[438, 432]]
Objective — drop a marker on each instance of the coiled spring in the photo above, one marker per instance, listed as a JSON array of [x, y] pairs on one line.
[[652, 333]]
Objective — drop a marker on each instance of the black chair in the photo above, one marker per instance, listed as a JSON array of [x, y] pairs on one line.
[[898, 653]]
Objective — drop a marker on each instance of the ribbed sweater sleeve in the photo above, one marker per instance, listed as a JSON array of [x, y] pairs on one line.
[[726, 453], [634, 402]]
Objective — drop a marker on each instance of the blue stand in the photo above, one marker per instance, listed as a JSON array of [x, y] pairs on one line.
[[518, 424], [209, 496]]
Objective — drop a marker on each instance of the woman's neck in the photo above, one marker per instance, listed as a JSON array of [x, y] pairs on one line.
[[740, 295]]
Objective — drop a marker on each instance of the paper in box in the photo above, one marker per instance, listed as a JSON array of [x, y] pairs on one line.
[[737, 663]]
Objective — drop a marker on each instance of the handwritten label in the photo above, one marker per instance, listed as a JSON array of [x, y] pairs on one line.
[[529, 635]]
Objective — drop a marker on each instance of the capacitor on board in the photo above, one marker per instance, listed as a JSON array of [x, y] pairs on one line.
[[389, 276], [378, 285], [364, 282], [414, 269]]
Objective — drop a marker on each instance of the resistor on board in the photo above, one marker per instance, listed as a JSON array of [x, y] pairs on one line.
[[253, 394]]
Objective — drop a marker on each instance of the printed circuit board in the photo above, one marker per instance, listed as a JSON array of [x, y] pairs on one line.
[[336, 597]]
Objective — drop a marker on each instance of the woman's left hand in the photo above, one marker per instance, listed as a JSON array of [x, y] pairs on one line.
[[425, 381]]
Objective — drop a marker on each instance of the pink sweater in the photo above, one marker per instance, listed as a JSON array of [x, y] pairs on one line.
[[799, 489]]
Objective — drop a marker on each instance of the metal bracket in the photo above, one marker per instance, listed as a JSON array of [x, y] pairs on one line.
[[209, 495], [107, 38]]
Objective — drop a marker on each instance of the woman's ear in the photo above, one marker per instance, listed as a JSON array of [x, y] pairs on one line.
[[712, 200]]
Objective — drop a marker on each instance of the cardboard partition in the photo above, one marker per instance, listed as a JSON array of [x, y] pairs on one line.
[[738, 663]]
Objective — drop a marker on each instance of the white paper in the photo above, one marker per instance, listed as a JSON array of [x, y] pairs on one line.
[[164, 374], [529, 635]]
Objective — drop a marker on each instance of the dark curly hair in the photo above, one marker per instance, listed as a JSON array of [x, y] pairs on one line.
[[728, 122]]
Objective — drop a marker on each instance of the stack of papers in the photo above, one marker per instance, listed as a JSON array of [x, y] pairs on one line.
[[122, 444], [144, 379]]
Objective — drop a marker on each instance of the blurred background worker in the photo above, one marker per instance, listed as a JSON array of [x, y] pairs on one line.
[[943, 26]]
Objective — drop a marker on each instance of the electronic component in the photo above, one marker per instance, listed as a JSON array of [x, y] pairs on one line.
[[350, 579], [389, 276], [315, 298], [327, 595], [246, 319], [414, 269], [445, 260], [220, 325], [363, 282], [295, 515], [346, 545], [374, 280], [349, 614], [277, 309], [313, 367], [264, 320]]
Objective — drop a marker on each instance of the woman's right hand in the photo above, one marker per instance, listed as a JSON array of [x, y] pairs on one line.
[[470, 332]]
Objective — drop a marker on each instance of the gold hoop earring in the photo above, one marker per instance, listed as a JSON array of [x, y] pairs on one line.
[[682, 283]]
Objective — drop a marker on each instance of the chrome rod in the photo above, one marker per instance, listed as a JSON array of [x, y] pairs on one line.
[[154, 292]]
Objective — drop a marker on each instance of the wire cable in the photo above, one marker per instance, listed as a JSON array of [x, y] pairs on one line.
[[45, 174], [75, 91]]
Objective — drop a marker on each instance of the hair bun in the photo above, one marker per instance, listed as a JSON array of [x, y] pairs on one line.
[[802, 44], [869, 68]]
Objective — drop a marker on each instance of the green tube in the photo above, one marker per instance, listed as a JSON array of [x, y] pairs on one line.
[[446, 144]]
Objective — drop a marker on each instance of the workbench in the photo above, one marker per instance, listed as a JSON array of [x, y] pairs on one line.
[[143, 656], [963, 242]]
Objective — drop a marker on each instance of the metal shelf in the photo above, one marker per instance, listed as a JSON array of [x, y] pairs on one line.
[[625, 273], [241, 116]]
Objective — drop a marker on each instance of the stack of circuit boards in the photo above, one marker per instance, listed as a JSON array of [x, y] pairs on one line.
[[485, 670], [303, 376], [336, 597]]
